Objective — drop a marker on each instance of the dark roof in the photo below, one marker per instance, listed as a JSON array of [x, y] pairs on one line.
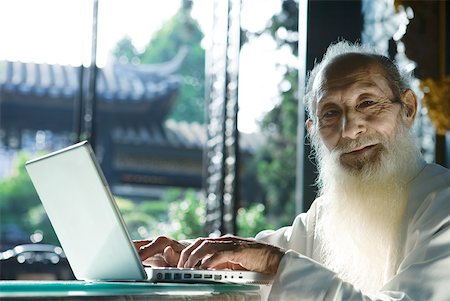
[[115, 82], [125, 92], [178, 134], [133, 101], [120, 83]]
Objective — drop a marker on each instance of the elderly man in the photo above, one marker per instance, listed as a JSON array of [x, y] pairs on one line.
[[380, 229]]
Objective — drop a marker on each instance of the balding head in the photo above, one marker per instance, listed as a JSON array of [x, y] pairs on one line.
[[343, 59]]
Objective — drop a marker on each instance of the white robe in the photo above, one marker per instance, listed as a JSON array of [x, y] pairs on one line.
[[424, 270]]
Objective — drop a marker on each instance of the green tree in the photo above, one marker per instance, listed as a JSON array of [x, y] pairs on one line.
[[125, 50], [277, 158], [178, 32]]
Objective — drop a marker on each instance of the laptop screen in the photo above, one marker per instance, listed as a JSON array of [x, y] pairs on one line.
[[85, 217]]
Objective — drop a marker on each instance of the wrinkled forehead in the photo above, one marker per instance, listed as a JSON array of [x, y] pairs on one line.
[[345, 70]]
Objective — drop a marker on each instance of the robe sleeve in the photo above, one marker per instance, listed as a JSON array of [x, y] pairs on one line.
[[300, 236]]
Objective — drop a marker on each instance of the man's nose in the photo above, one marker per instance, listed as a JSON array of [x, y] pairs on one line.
[[353, 125]]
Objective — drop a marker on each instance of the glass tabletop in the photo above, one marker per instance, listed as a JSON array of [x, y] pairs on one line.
[[82, 288]]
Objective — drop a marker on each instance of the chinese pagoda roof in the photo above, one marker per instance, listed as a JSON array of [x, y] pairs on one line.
[[115, 83], [179, 134], [133, 102]]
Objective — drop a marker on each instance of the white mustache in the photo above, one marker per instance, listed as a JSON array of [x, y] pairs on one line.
[[347, 145]]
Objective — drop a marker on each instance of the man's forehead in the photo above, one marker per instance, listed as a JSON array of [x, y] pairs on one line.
[[350, 69], [346, 66], [348, 63]]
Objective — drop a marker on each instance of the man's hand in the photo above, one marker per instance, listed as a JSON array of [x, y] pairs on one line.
[[227, 252], [232, 252], [160, 252]]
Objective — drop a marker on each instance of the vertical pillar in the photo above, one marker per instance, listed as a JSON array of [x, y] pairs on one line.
[[88, 112], [221, 151], [302, 50]]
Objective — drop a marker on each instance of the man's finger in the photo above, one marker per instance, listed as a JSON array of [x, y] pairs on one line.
[[171, 256], [187, 252], [156, 261], [179, 246], [156, 246], [207, 247], [139, 243], [234, 240]]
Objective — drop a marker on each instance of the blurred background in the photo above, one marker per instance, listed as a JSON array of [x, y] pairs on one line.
[[193, 107]]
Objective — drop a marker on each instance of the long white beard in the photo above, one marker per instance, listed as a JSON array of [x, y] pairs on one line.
[[364, 209]]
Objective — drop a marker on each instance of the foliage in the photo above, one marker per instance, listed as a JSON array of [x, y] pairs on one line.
[[179, 215], [20, 205], [251, 220], [137, 217], [276, 170], [188, 217], [125, 50], [286, 21], [179, 31]]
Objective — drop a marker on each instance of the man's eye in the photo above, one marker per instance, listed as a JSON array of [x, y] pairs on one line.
[[366, 104], [330, 114]]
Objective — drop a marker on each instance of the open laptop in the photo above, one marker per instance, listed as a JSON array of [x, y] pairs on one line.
[[90, 228]]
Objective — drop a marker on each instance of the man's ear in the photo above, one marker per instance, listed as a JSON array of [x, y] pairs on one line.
[[409, 101], [309, 125]]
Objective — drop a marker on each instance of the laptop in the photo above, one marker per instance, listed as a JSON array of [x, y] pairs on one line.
[[91, 230]]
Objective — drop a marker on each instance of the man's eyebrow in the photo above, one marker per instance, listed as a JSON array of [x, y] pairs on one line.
[[367, 87], [324, 102], [372, 96], [369, 91]]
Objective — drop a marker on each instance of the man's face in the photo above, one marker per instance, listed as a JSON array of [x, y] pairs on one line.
[[366, 154], [356, 111]]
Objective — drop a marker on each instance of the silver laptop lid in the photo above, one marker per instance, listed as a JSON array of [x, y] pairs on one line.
[[84, 215]]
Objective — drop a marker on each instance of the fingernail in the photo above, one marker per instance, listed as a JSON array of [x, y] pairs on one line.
[[187, 264], [179, 264]]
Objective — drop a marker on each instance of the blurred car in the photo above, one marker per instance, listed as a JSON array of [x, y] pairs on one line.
[[35, 262]]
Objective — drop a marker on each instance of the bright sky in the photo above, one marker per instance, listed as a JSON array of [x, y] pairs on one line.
[[58, 32]]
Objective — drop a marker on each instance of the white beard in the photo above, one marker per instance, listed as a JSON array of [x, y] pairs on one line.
[[360, 225]]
